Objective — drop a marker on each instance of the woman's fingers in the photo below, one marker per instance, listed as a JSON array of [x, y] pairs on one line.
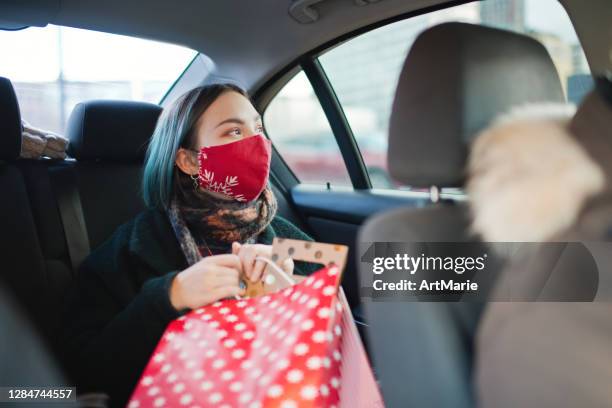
[[217, 271], [248, 261], [288, 266], [229, 260], [220, 281], [242, 259], [248, 253], [227, 291], [258, 271]]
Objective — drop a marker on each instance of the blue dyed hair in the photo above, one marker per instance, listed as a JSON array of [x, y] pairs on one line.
[[175, 129]]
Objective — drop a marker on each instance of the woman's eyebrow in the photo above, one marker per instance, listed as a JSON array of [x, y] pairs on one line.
[[236, 120], [230, 120]]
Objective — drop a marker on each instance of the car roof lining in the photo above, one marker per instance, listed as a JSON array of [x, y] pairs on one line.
[[247, 47]]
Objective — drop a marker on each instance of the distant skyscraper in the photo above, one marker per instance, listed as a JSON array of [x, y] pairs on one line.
[[508, 14]]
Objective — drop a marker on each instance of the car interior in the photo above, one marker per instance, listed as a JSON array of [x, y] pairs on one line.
[[454, 70]]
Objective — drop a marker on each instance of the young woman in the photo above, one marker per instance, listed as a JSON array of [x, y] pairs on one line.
[[210, 213]]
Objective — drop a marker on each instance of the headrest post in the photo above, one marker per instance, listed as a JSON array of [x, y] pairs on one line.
[[434, 194]]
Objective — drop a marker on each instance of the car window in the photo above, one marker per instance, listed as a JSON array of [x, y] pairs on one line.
[[364, 70], [64, 66], [296, 124]]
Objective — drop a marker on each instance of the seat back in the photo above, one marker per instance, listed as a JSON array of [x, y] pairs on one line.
[[108, 139], [32, 251], [456, 78]]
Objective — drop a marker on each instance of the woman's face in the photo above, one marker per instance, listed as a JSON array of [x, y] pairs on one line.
[[229, 118]]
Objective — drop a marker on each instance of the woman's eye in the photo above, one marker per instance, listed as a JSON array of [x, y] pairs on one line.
[[234, 132]]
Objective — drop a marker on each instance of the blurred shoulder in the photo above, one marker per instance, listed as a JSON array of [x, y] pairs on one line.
[[284, 228]]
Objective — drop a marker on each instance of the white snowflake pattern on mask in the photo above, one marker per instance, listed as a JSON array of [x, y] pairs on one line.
[[207, 179]]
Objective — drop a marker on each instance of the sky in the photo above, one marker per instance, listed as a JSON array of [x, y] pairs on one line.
[[33, 54], [545, 16]]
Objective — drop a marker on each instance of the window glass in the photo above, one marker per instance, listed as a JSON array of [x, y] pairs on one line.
[[364, 71], [53, 68], [298, 127]]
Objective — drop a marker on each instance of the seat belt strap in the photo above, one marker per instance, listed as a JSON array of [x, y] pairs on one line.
[[64, 184]]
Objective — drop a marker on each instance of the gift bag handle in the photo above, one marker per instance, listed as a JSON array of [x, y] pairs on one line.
[[280, 272], [308, 251]]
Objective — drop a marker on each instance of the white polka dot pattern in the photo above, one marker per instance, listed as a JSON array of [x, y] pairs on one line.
[[278, 350]]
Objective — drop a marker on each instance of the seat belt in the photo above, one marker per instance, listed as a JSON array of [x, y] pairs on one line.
[[64, 184]]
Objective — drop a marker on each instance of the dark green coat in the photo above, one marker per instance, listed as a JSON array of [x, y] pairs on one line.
[[120, 306]]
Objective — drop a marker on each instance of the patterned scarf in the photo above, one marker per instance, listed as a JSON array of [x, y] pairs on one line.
[[202, 222]]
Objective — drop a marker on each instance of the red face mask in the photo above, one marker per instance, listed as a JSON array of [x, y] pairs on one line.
[[238, 169]]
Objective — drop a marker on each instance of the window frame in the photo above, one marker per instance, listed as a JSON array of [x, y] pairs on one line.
[[309, 63], [339, 124]]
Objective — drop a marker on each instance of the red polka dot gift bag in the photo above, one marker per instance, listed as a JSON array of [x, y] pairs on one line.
[[293, 346]]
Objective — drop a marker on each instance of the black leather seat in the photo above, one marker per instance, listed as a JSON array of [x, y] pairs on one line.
[[108, 139], [33, 260]]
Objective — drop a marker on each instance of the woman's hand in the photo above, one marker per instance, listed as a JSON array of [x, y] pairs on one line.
[[253, 269], [213, 278]]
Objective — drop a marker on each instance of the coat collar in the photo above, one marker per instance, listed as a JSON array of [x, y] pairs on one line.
[[153, 241]]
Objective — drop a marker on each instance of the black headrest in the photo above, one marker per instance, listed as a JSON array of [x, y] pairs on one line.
[[456, 78], [10, 122], [107, 130]]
